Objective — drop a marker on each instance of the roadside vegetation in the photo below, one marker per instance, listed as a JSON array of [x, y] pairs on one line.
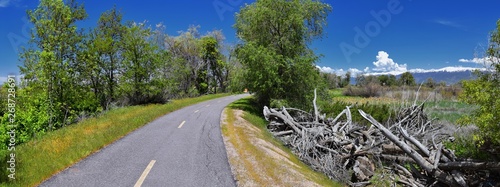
[[256, 157], [57, 150], [72, 74], [75, 80]]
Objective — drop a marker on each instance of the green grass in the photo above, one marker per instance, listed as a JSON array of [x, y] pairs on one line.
[[446, 110], [253, 114], [338, 93], [43, 157]]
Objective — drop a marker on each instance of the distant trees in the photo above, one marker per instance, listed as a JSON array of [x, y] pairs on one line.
[[407, 79], [275, 52], [430, 83], [387, 80], [485, 92]]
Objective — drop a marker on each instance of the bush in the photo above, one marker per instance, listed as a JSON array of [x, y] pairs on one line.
[[370, 90], [381, 112]]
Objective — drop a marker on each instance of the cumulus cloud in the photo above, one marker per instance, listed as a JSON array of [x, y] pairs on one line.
[[325, 69], [386, 64], [484, 61]]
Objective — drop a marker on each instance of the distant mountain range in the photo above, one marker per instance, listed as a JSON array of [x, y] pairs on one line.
[[448, 77]]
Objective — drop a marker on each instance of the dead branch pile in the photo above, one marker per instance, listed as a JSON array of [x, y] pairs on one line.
[[409, 152]]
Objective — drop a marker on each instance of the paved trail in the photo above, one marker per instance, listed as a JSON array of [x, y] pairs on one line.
[[183, 148]]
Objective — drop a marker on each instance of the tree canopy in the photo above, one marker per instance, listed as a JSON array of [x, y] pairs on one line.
[[276, 34]]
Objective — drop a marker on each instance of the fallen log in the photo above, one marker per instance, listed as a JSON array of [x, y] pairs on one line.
[[448, 166]]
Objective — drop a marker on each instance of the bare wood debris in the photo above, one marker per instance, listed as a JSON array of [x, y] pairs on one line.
[[409, 152]]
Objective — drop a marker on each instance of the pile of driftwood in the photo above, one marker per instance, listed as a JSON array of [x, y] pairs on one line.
[[409, 151]]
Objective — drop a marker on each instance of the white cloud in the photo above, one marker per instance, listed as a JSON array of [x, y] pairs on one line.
[[4, 3], [341, 72], [419, 70], [386, 64], [325, 69], [447, 69], [487, 61], [447, 23]]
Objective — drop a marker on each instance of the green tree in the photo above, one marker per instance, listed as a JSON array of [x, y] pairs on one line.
[[387, 80], [384, 80], [430, 83], [346, 81], [140, 67], [275, 51], [331, 80], [212, 57], [50, 64], [187, 62], [407, 79], [485, 92], [109, 35]]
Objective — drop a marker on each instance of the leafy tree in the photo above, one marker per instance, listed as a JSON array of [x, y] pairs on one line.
[[235, 72], [384, 80], [485, 92], [109, 36], [50, 64], [430, 83], [212, 57], [346, 81], [187, 62], [139, 80], [407, 79], [387, 80], [275, 52], [331, 80], [392, 81], [3, 100], [364, 80]]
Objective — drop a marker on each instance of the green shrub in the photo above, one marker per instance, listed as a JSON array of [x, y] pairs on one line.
[[369, 90], [485, 92], [381, 112]]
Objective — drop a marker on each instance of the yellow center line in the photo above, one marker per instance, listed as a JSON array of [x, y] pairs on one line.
[[180, 126], [196, 111], [145, 173]]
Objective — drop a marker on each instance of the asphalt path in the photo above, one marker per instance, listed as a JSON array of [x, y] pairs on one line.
[[183, 148]]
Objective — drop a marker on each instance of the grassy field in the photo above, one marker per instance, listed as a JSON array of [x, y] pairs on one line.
[[43, 157], [265, 161], [448, 110]]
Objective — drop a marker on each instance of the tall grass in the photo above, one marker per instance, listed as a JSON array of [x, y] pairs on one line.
[[43, 157]]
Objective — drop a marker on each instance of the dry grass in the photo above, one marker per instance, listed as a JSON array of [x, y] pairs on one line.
[[256, 158]]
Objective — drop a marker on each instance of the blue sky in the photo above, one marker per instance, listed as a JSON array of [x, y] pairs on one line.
[[362, 36]]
